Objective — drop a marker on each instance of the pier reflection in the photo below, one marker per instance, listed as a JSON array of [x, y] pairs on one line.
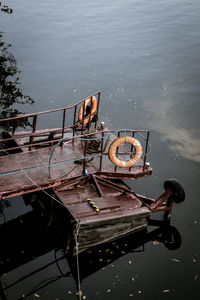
[[10, 91], [33, 235]]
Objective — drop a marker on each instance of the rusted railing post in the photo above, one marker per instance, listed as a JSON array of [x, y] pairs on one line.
[[74, 121], [85, 153], [83, 117], [14, 126], [98, 100], [146, 149], [102, 143], [117, 149], [133, 134], [33, 130]]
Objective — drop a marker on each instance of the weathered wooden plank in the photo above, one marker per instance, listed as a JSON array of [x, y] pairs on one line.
[[110, 230]]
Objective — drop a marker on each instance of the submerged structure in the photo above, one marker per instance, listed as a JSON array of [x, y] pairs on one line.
[[84, 164]]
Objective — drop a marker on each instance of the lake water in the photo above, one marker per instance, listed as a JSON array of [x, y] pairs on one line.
[[144, 56]]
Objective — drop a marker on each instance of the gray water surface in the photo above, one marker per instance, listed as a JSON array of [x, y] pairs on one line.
[[144, 56]]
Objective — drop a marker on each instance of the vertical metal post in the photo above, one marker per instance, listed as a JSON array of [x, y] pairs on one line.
[[133, 134], [34, 128], [63, 126], [97, 112], [14, 126], [117, 149], [75, 109], [85, 153], [89, 121], [63, 123], [146, 149], [83, 117], [102, 142]]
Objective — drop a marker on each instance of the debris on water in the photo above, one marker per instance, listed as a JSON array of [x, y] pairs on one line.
[[130, 262], [133, 279], [156, 242], [123, 252], [176, 260], [37, 295], [84, 297], [131, 295], [79, 293], [109, 290], [107, 250], [196, 277], [166, 291], [70, 292], [139, 292]]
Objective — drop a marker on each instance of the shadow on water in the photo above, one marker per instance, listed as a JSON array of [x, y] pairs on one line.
[[10, 91], [32, 235]]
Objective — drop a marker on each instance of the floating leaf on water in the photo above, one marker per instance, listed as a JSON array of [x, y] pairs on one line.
[[166, 291], [176, 260], [101, 259], [133, 279], [107, 250], [123, 252], [69, 292], [37, 295], [196, 277], [156, 243], [79, 293]]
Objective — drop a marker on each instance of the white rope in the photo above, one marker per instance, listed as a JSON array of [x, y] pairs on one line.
[[76, 232]]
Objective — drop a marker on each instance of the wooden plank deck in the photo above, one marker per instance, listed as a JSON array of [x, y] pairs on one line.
[[28, 171]]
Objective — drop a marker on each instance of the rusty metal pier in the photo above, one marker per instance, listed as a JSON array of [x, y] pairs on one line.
[[38, 159]]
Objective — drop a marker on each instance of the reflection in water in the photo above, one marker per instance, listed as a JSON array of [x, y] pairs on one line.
[[10, 92], [37, 238], [183, 141]]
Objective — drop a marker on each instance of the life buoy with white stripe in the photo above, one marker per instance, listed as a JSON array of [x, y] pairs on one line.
[[125, 163], [93, 109]]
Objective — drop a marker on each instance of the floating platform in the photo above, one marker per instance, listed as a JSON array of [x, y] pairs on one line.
[[85, 165]]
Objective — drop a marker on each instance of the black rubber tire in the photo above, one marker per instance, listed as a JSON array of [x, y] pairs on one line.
[[174, 185], [172, 238]]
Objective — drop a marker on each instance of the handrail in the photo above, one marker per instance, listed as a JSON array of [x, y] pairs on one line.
[[47, 111], [77, 124]]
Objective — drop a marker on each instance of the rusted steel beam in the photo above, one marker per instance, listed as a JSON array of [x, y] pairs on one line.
[[115, 185], [99, 191], [129, 175], [162, 198]]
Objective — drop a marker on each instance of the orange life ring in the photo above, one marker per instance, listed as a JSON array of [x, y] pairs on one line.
[[92, 110], [125, 163]]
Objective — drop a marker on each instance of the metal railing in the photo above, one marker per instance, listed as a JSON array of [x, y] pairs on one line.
[[77, 125], [103, 136]]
